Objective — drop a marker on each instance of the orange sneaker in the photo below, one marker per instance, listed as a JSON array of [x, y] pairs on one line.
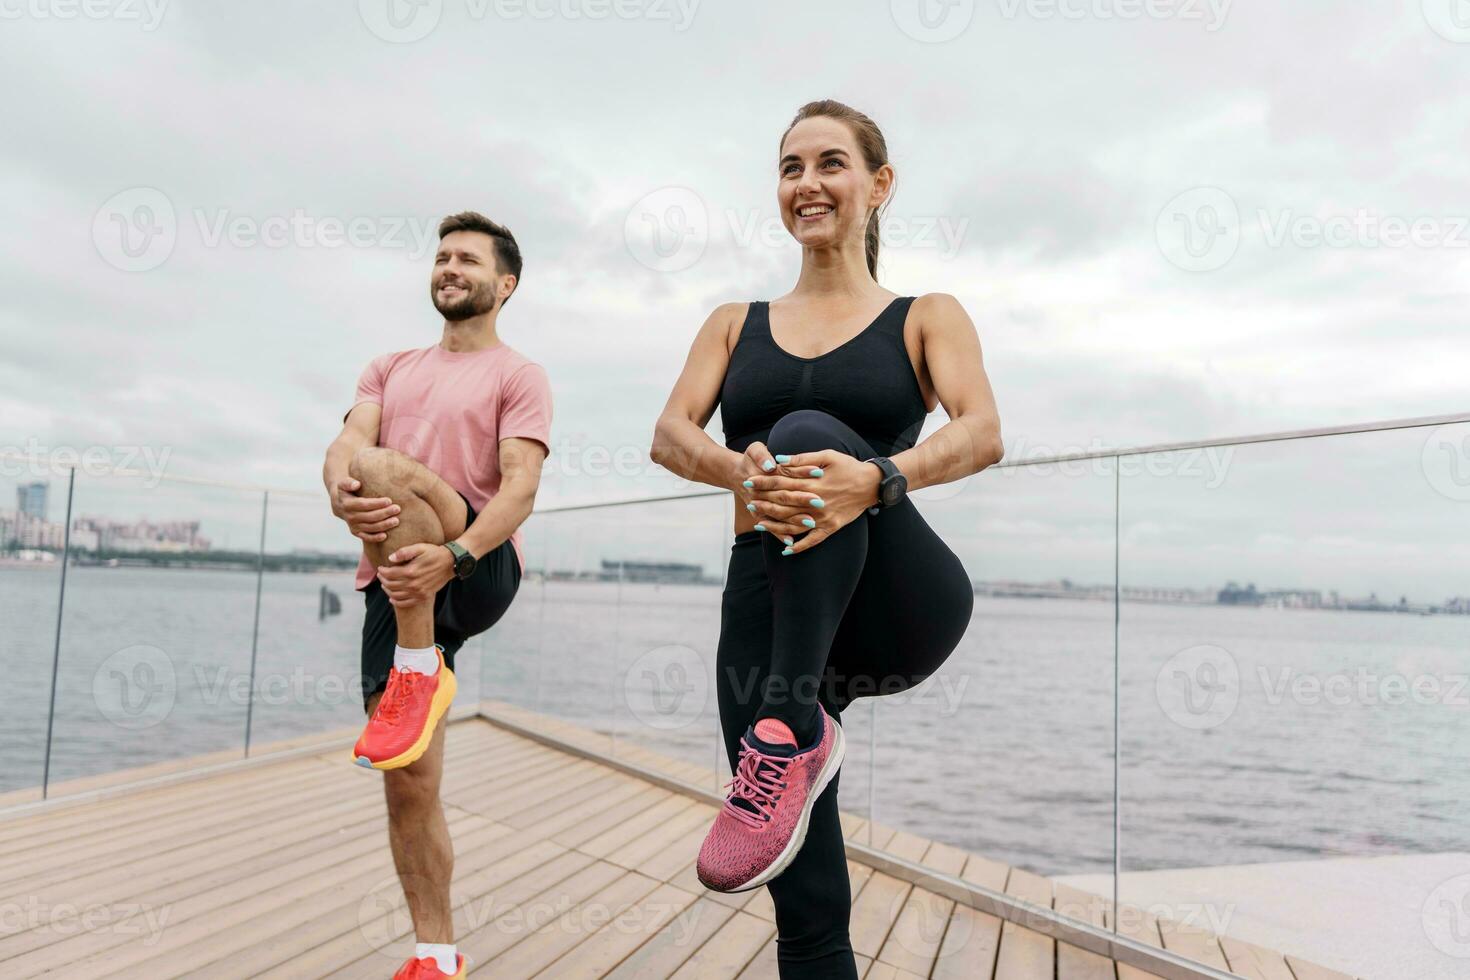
[[403, 723], [427, 969]]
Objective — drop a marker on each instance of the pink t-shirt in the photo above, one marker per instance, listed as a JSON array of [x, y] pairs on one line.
[[449, 410]]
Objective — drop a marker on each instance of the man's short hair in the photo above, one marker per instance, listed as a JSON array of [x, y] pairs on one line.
[[507, 252]]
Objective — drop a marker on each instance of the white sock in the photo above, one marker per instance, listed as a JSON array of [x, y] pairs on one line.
[[445, 954], [424, 661]]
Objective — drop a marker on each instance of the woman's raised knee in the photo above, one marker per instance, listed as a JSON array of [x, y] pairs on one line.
[[808, 430]]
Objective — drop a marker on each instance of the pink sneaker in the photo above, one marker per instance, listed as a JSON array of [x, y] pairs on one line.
[[760, 829]]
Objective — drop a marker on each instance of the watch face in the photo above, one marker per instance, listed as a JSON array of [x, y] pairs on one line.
[[464, 565], [893, 489]]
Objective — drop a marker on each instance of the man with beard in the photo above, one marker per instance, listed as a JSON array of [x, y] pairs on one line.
[[436, 467]]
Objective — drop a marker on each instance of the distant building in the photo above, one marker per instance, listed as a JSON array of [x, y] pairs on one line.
[[30, 500], [652, 571]]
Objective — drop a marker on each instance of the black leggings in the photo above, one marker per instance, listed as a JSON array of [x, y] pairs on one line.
[[874, 609]]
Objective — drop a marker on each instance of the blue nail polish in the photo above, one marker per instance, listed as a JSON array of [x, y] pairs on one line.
[[818, 502], [750, 507], [768, 466], [760, 527], [788, 551], [787, 539], [816, 471], [782, 458], [747, 484], [808, 522]]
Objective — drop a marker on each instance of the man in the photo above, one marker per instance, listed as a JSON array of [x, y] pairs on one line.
[[435, 470]]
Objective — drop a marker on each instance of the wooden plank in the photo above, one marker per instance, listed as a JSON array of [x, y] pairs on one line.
[[380, 942], [1253, 962], [728, 951], [542, 947], [668, 948], [1306, 970], [1192, 941], [628, 931], [1026, 955]]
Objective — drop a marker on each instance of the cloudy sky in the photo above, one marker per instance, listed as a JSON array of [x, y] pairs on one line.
[[1168, 221]]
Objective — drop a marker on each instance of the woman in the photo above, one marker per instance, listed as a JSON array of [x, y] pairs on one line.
[[837, 588]]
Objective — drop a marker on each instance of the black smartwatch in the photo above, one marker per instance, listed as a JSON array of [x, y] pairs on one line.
[[464, 562], [892, 487]]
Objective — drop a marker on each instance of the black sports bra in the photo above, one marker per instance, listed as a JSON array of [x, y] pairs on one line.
[[868, 383]]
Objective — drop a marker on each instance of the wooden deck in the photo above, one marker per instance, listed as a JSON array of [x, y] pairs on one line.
[[565, 867]]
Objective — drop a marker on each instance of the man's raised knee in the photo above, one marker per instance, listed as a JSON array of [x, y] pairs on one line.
[[376, 465]]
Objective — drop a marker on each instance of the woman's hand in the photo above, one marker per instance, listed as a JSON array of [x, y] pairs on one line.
[[812, 494], [417, 573]]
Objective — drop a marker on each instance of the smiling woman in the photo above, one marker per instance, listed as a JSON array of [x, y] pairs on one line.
[[837, 588]]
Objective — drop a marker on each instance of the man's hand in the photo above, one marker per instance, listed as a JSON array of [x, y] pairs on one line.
[[368, 518], [817, 493], [417, 573]]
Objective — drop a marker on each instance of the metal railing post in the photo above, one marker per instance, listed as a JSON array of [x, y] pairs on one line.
[[265, 503], [71, 485]]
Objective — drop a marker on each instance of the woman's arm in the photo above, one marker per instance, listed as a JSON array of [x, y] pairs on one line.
[[970, 441], [680, 443]]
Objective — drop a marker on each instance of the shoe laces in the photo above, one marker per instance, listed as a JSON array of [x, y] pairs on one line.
[[758, 781], [401, 684]]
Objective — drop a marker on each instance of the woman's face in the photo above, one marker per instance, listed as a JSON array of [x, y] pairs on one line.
[[824, 189]]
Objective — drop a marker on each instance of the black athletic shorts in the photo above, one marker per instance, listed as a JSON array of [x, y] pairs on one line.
[[462, 609]]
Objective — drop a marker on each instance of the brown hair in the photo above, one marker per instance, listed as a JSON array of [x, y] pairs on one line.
[[875, 154], [507, 252]]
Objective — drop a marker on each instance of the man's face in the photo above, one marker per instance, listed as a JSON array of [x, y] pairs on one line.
[[465, 276]]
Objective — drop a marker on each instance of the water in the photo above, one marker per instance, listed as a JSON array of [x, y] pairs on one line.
[[1007, 752]]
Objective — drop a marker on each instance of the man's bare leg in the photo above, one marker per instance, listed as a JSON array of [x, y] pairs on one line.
[[418, 834], [419, 837]]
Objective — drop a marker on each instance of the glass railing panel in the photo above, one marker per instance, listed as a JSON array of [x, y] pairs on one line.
[[1293, 644]]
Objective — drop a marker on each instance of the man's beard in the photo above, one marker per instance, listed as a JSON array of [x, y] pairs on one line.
[[476, 300]]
